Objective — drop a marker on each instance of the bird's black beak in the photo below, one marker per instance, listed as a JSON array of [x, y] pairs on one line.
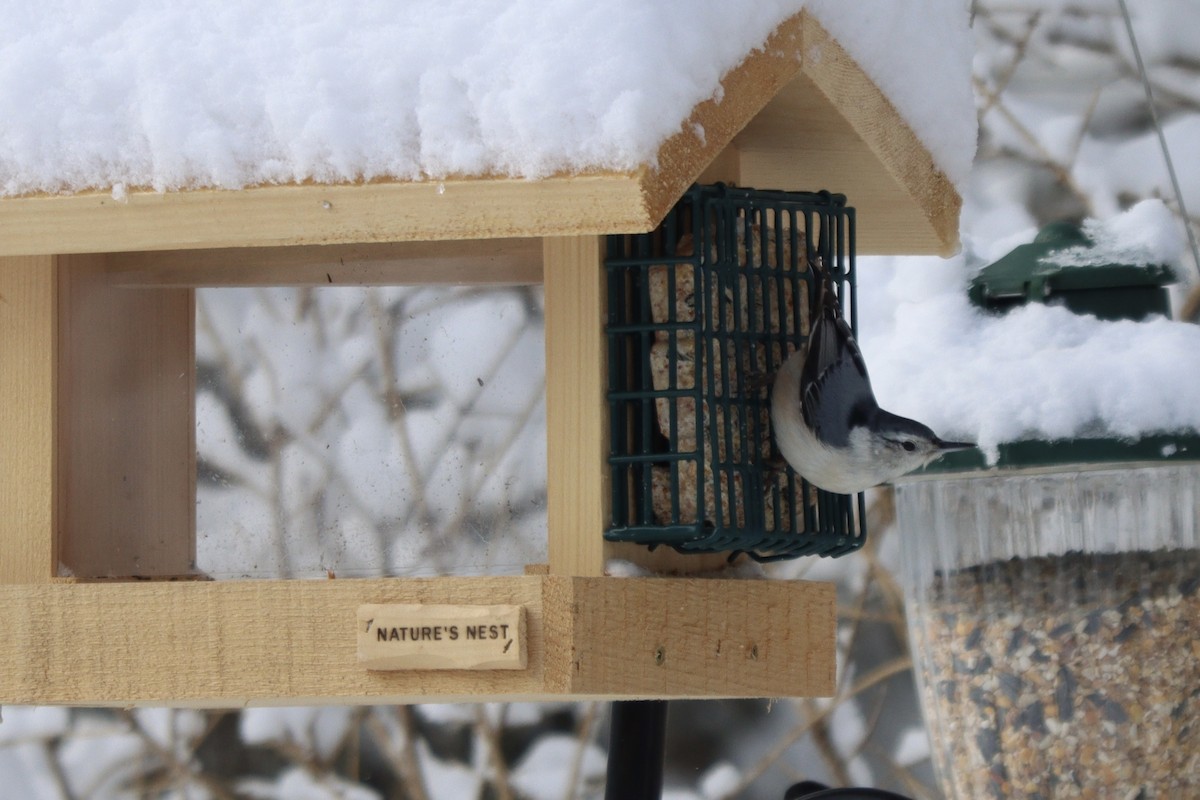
[[949, 447]]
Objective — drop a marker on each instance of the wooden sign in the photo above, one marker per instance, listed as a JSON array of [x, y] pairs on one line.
[[433, 636]]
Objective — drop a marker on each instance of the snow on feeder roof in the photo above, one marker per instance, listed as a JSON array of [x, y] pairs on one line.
[[378, 122], [1040, 371]]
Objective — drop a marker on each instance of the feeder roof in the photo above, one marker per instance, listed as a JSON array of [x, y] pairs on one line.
[[1062, 258], [164, 126]]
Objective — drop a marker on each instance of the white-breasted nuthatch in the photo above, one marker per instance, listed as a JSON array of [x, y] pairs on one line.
[[827, 423]]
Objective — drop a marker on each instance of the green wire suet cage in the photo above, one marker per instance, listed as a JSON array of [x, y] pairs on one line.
[[701, 312]]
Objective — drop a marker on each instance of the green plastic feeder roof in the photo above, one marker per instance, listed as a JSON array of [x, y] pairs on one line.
[[1042, 272], [1032, 273]]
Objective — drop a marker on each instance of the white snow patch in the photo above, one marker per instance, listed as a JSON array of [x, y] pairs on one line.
[[297, 783], [174, 95], [544, 771], [33, 722], [1036, 372], [912, 747], [446, 780], [720, 780], [318, 730], [932, 91], [1148, 233], [675, 793]]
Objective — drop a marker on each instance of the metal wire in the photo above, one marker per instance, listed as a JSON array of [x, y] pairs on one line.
[[725, 271], [1162, 139]]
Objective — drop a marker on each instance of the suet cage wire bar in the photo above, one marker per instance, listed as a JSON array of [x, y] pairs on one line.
[[701, 312]]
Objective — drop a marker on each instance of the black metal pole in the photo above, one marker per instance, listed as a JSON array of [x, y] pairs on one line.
[[637, 738]]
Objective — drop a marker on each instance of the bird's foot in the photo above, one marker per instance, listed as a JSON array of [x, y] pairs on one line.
[[755, 382], [774, 467]]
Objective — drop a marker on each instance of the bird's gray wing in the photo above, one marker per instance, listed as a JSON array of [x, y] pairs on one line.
[[835, 392]]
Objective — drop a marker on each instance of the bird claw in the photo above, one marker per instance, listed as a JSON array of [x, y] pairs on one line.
[[773, 467], [755, 382]]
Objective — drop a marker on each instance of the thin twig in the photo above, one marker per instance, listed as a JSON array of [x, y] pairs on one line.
[[1162, 138], [50, 749], [879, 674], [583, 733], [1044, 158], [823, 740], [918, 789], [179, 771], [491, 739], [1020, 46], [396, 740]]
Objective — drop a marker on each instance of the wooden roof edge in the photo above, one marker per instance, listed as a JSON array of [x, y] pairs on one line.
[[498, 207], [322, 214], [883, 129], [712, 125]]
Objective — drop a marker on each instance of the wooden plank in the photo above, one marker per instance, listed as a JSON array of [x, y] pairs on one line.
[[832, 128], [310, 214], [224, 644], [473, 261], [578, 498], [27, 386], [703, 139], [227, 644], [126, 435], [696, 637], [892, 142]]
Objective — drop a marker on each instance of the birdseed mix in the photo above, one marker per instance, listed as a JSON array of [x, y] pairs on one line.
[[753, 307], [1073, 676]]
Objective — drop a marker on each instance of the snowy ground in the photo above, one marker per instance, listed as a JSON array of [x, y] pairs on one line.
[[421, 468]]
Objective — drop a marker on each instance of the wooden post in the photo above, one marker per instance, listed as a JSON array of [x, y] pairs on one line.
[[126, 425], [578, 499], [27, 375]]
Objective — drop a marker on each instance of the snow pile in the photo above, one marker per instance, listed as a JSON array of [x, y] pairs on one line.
[[918, 52], [179, 95], [1036, 372], [1142, 236]]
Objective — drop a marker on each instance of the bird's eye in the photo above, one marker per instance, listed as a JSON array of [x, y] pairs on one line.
[[909, 446]]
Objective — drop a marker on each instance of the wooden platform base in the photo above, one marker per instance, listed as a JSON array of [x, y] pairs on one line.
[[226, 644]]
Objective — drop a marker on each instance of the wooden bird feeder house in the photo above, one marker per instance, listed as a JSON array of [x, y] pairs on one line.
[[97, 416]]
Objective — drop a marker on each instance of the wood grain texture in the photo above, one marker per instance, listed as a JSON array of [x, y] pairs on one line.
[[694, 637], [126, 431], [477, 262], [832, 128], [27, 391], [884, 131], [578, 497], [264, 216], [225, 644], [714, 123]]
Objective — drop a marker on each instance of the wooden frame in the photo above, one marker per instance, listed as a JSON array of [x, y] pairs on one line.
[[226, 644], [97, 476], [88, 386]]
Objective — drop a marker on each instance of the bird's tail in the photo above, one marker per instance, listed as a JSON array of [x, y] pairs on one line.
[[823, 299]]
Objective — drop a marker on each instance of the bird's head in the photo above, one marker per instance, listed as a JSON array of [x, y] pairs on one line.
[[901, 445]]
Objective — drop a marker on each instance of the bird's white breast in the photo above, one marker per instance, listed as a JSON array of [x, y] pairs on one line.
[[847, 471]]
